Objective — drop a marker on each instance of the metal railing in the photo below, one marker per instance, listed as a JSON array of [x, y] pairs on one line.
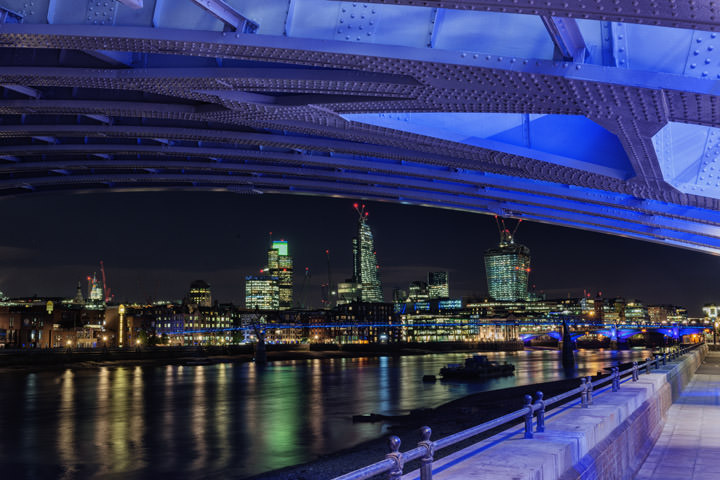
[[395, 461]]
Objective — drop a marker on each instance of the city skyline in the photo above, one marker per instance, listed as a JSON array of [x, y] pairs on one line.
[[150, 249]]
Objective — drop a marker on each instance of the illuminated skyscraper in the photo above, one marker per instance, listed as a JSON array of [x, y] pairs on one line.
[[280, 265], [365, 268], [261, 292], [438, 286], [507, 267]]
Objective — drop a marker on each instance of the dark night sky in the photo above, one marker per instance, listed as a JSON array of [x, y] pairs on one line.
[[155, 243]]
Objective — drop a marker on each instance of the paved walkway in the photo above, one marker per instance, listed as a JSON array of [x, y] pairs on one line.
[[689, 446]]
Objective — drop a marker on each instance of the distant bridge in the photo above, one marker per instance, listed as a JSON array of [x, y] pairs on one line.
[[617, 332]]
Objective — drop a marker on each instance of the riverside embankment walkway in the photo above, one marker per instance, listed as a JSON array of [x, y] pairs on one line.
[[610, 439], [689, 445]]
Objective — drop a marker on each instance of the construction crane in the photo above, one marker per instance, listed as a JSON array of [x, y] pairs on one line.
[[360, 209], [327, 287], [303, 288], [107, 295], [506, 236]]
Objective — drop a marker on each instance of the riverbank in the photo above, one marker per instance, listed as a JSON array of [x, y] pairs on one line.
[[61, 359], [444, 420]]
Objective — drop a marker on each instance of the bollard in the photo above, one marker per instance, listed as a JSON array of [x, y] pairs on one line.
[[635, 369], [657, 362], [589, 391], [528, 417], [540, 403], [395, 456], [426, 460], [583, 392], [647, 365], [664, 358]]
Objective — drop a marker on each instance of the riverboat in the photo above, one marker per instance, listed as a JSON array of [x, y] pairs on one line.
[[477, 367]]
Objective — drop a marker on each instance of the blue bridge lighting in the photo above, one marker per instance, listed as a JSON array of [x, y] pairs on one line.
[[605, 120]]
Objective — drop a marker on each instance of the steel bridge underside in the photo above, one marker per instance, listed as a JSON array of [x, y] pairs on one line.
[[597, 115]]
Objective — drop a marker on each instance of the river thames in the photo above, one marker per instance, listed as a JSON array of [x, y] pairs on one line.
[[228, 420]]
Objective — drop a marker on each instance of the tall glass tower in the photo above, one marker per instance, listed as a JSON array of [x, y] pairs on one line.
[[365, 268], [280, 266], [507, 267]]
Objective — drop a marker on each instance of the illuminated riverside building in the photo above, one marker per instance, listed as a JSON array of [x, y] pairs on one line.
[[50, 322], [280, 266], [366, 322], [200, 294], [677, 315], [507, 267], [438, 286], [490, 308], [448, 321], [365, 267], [636, 313], [262, 292]]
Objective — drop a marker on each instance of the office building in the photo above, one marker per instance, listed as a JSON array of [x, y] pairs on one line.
[[200, 294], [262, 292], [438, 286], [418, 292], [348, 291], [507, 267], [365, 268], [280, 266]]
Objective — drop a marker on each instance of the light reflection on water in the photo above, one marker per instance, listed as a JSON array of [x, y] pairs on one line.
[[227, 420]]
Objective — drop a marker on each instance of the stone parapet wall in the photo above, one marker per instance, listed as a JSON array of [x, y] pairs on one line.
[[608, 440]]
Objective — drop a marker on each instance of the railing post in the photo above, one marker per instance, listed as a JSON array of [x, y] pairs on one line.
[[426, 460], [615, 379], [635, 369], [528, 417], [540, 427], [657, 362], [395, 456], [647, 365], [589, 391], [583, 393], [664, 358]]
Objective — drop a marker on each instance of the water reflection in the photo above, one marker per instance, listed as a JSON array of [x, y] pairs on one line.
[[66, 423], [227, 420]]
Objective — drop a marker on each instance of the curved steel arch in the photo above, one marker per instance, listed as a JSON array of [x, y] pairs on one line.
[[171, 97]]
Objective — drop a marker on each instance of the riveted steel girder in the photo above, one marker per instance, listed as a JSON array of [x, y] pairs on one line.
[[667, 13]]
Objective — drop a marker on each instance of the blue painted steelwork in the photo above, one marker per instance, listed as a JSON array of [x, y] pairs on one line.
[[606, 123]]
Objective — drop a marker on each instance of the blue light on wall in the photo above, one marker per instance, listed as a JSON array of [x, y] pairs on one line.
[[568, 140]]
